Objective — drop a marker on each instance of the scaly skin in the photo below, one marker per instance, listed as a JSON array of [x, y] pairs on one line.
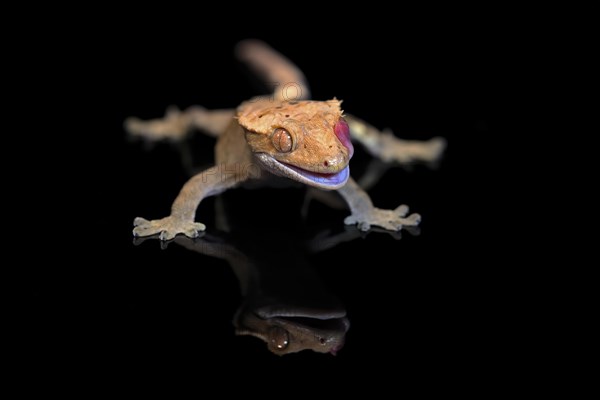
[[314, 148]]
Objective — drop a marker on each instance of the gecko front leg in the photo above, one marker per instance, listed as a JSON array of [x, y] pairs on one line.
[[365, 214], [176, 124], [389, 148], [207, 183]]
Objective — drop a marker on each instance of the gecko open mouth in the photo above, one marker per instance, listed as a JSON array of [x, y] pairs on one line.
[[318, 179], [308, 319], [338, 178]]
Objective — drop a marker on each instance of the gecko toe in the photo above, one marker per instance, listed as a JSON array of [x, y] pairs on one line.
[[142, 231], [401, 210], [191, 233], [139, 221], [364, 226], [199, 226], [350, 220], [413, 220], [166, 235]]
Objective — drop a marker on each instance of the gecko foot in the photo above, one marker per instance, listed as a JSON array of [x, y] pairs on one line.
[[167, 227], [392, 220]]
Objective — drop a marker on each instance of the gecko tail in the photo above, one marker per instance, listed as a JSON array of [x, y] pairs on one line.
[[277, 71]]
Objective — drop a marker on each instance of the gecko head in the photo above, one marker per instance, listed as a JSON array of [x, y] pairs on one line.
[[307, 141], [290, 329]]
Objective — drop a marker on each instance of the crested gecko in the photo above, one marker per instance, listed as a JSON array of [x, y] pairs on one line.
[[285, 135]]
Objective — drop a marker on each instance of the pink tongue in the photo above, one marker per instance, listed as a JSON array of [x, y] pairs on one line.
[[342, 131]]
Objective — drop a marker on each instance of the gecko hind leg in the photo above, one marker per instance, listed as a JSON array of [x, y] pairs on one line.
[[389, 148], [177, 124]]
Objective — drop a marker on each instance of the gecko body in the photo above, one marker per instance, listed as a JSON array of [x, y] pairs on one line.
[[303, 140]]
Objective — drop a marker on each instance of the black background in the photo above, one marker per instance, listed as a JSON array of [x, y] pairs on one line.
[[419, 307]]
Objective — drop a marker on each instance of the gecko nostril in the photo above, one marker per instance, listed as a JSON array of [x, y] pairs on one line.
[[326, 163]]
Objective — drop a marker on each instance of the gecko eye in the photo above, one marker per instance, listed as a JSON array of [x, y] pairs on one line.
[[282, 140], [278, 338]]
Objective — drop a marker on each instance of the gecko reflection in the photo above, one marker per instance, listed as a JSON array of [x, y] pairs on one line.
[[285, 304]]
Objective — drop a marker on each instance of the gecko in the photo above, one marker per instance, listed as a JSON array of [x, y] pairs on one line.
[[285, 135]]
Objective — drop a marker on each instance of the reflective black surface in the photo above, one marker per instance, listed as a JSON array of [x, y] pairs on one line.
[[414, 300]]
